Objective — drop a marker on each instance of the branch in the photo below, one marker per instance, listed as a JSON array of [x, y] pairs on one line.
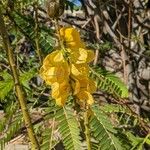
[[18, 88], [87, 128], [38, 50]]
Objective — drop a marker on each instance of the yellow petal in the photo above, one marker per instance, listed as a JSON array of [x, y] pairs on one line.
[[75, 86], [55, 74], [90, 56], [55, 90], [91, 86], [71, 38], [60, 89], [61, 100], [74, 45], [79, 70], [84, 84], [54, 58], [70, 34], [60, 92], [85, 96], [81, 55], [55, 68]]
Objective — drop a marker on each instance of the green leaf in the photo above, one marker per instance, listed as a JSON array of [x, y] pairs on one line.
[[48, 140], [103, 130], [70, 4], [26, 76], [109, 83], [69, 129], [26, 26], [148, 141], [6, 85], [114, 108], [136, 142], [12, 124]]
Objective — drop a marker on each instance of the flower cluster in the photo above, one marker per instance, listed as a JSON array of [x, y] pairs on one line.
[[67, 71]]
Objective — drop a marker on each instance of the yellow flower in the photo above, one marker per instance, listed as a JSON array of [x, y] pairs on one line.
[[54, 58], [79, 70], [85, 96], [55, 68], [55, 74], [83, 89], [81, 55], [61, 100], [83, 84], [75, 46], [71, 37], [60, 92], [67, 70]]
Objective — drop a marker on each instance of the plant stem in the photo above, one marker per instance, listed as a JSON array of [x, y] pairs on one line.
[[38, 50], [58, 34], [18, 88], [87, 128]]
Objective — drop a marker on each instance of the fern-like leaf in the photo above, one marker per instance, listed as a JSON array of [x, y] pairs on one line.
[[13, 128], [108, 82], [103, 130], [48, 140], [26, 76], [6, 85], [68, 128], [114, 108], [26, 27]]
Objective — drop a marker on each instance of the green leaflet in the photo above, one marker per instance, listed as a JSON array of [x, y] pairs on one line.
[[48, 141], [103, 131], [69, 129], [10, 125], [26, 25], [26, 76], [49, 138], [114, 108], [6, 85], [109, 83], [137, 142]]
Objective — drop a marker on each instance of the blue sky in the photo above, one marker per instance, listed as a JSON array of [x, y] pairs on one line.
[[77, 2]]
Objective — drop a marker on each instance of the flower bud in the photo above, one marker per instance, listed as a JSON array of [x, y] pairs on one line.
[[55, 8]]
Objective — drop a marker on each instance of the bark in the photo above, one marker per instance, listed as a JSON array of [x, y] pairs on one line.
[[126, 25]]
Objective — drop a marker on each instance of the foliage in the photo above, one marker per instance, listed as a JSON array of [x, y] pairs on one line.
[[113, 126], [6, 85], [104, 131], [108, 82], [68, 128]]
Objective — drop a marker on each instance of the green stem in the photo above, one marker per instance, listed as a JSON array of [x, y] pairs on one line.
[[18, 88], [87, 128], [145, 139], [38, 50]]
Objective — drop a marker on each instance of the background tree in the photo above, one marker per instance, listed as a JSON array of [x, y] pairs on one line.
[[118, 32]]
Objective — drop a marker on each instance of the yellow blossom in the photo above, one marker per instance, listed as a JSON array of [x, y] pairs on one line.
[[67, 70], [83, 84], [55, 74], [60, 92], [54, 58], [52, 71], [86, 84], [81, 55], [60, 89], [79, 70], [61, 100], [71, 38], [84, 96]]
